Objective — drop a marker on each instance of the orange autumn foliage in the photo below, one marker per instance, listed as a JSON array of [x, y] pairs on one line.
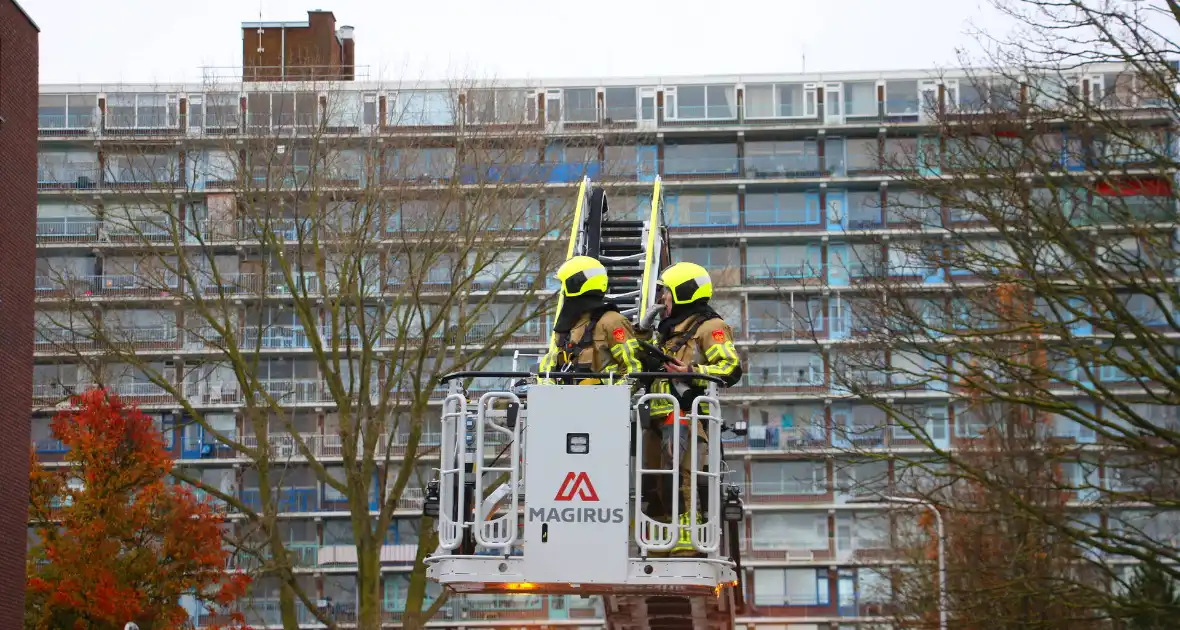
[[118, 540]]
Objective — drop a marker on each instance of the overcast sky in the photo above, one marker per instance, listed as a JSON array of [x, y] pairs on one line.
[[83, 41]]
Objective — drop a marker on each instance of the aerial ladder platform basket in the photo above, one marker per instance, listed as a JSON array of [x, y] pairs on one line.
[[564, 507]]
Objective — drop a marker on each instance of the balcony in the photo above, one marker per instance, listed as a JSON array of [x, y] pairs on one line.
[[293, 337], [795, 215], [287, 499], [231, 283], [859, 435], [903, 108], [779, 166], [292, 392], [760, 376], [54, 392], [67, 230], [773, 492], [209, 231], [762, 437], [784, 550], [690, 168], [567, 172], [77, 176], [141, 392], [151, 229], [163, 337], [65, 124], [758, 274], [51, 338]]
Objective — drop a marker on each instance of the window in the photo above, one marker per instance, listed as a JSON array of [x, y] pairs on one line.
[[701, 210], [862, 154], [506, 106], [369, 108], [265, 110], [722, 262], [804, 315], [66, 111], [804, 531], [619, 104], [901, 98], [78, 168], [222, 111], [862, 530], [860, 477], [150, 111], [785, 369], [420, 108], [972, 95], [142, 168], [782, 261], [784, 100], [507, 269], [706, 102], [771, 159], [344, 109], [437, 163], [581, 105], [864, 209], [782, 209], [863, 425], [700, 159], [860, 98], [912, 258], [786, 426], [1053, 91], [907, 206], [793, 477], [791, 587]]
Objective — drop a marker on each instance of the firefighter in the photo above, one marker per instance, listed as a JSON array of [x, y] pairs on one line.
[[700, 341], [592, 335]]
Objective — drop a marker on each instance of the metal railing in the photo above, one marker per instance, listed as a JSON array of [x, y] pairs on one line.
[[68, 230]]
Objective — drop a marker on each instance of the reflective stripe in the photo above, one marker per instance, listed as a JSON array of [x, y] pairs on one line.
[[626, 354], [685, 540], [723, 359]]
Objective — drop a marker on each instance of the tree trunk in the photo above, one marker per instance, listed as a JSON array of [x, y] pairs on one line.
[[368, 584], [287, 606]]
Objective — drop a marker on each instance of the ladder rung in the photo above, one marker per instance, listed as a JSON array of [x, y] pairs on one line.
[[623, 223], [618, 259]]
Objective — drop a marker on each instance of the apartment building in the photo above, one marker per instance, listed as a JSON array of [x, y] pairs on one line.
[[18, 148], [774, 183]]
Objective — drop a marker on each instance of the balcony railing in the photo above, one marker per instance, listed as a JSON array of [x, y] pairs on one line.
[[786, 487], [53, 124], [781, 165], [674, 167], [68, 230], [288, 499], [863, 435], [784, 271], [79, 176], [783, 438], [803, 215], [138, 390], [785, 550]]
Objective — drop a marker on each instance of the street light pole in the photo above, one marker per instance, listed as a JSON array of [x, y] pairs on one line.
[[942, 591]]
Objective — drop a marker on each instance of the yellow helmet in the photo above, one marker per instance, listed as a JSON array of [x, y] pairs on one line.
[[581, 274], [687, 281]]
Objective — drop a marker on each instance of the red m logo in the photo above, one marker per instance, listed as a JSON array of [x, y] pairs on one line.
[[576, 483]]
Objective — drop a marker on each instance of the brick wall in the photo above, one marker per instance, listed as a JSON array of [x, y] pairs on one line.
[[18, 216], [312, 49]]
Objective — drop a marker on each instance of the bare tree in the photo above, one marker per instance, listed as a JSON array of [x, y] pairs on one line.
[[294, 289], [1025, 288]]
